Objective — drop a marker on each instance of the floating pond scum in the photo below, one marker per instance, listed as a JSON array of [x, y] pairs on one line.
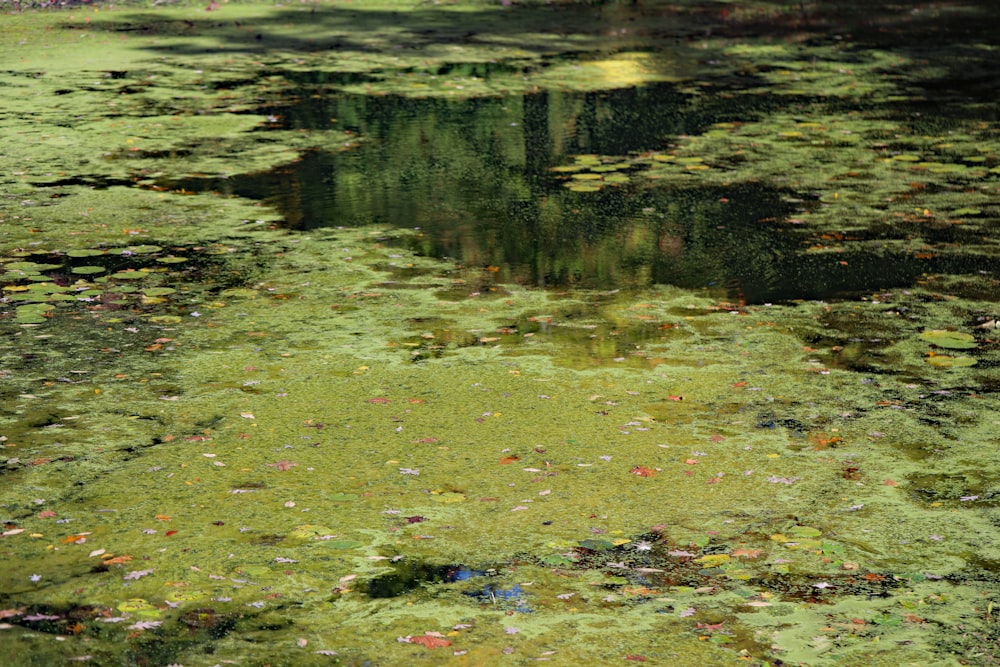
[[488, 333]]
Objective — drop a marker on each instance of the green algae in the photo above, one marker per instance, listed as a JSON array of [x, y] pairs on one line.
[[660, 471]]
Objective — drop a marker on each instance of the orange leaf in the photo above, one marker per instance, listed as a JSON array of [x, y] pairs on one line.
[[118, 560], [643, 471], [430, 641], [162, 517], [509, 459]]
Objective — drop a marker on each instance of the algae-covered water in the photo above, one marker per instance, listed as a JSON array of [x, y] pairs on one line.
[[475, 333]]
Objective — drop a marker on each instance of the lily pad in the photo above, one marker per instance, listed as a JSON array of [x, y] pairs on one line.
[[805, 531], [953, 340], [84, 252], [139, 607], [187, 595], [130, 275], [32, 267], [87, 270], [946, 361], [308, 531], [596, 544]]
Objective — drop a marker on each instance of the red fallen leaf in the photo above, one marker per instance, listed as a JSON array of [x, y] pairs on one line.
[[675, 398], [415, 401], [379, 400], [691, 462], [737, 385], [170, 532], [415, 519], [47, 514], [643, 471], [711, 627], [430, 641], [509, 459], [636, 658], [717, 438]]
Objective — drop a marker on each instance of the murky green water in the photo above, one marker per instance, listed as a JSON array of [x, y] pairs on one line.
[[390, 333]]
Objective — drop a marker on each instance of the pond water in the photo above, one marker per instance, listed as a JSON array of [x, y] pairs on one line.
[[500, 182], [495, 333]]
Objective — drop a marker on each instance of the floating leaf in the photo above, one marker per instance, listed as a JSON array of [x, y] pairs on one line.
[[308, 531], [87, 270], [429, 641], [595, 544], [31, 267], [805, 531], [953, 340], [713, 560], [139, 607], [946, 361]]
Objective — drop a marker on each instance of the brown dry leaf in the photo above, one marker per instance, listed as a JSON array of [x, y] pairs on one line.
[[430, 641]]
